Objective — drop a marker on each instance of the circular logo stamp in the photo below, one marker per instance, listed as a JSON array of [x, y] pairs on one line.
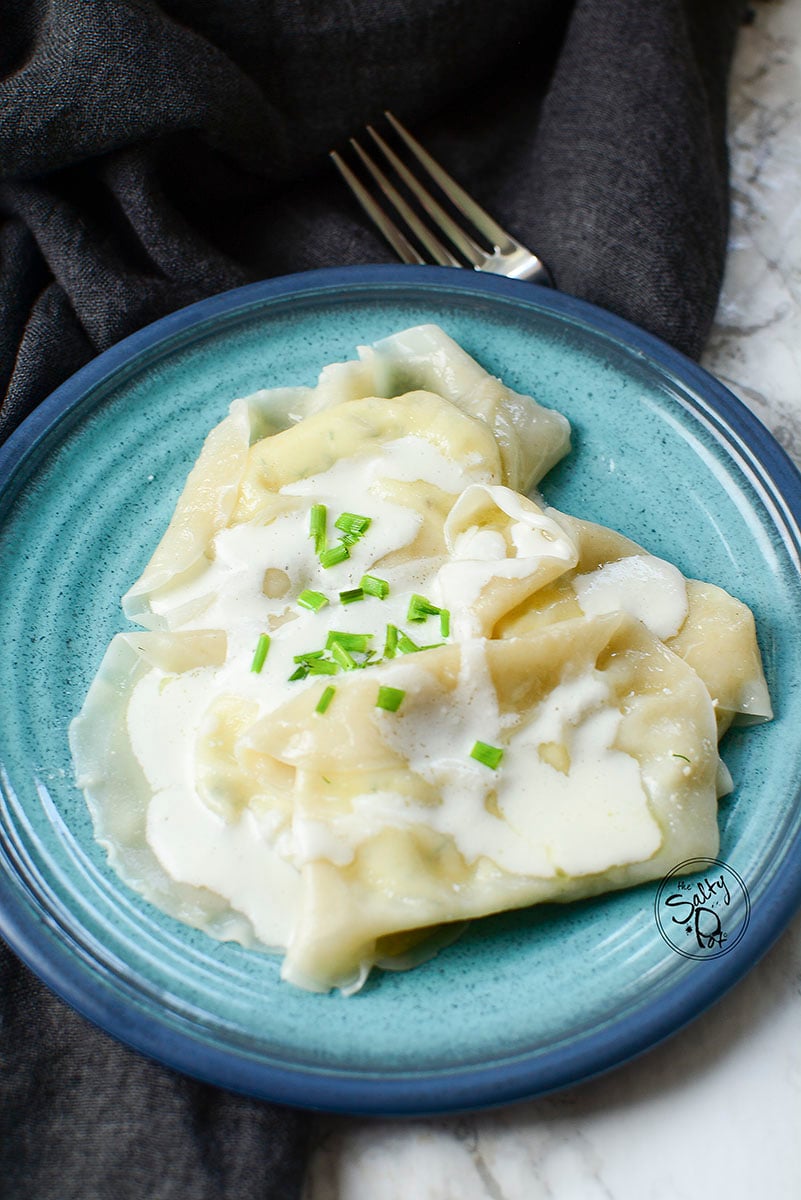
[[702, 908]]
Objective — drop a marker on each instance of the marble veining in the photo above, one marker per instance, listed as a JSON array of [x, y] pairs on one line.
[[716, 1110], [755, 346]]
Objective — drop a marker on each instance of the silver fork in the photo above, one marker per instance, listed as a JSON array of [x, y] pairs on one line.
[[506, 256]]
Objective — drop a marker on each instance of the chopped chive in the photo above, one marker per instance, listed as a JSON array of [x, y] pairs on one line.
[[391, 641], [490, 756], [308, 655], [299, 673], [322, 704], [341, 655], [353, 523], [371, 585], [350, 595], [333, 555], [317, 522], [348, 641], [262, 646], [420, 608], [312, 600], [349, 539], [405, 644], [444, 622], [683, 756], [322, 666], [431, 646], [389, 698]]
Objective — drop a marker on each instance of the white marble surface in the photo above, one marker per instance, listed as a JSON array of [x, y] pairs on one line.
[[716, 1111]]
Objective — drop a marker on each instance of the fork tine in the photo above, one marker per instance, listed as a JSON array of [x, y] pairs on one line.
[[434, 246], [400, 244], [462, 241], [458, 197]]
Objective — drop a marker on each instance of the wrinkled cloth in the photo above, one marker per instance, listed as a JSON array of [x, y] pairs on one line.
[[83, 1118], [152, 154]]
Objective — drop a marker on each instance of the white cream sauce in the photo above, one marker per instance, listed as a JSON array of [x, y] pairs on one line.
[[596, 815], [527, 816], [541, 821], [193, 844], [239, 859], [642, 585]]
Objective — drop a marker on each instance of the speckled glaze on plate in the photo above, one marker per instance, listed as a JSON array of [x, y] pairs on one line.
[[525, 1002]]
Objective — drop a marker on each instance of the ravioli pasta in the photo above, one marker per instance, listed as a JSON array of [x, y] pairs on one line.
[[379, 690]]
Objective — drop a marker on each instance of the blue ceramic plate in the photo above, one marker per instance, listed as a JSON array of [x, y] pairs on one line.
[[524, 1002]]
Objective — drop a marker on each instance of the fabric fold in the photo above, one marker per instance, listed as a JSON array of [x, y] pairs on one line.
[[158, 153]]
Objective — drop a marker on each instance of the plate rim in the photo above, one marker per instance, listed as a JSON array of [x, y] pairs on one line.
[[49, 956]]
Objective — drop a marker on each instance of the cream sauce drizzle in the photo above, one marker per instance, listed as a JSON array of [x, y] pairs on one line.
[[642, 585], [527, 817]]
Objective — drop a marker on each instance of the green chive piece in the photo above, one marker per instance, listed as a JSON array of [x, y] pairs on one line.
[[389, 698], [353, 523], [341, 655], [420, 608], [444, 622], [406, 645], [333, 555], [350, 595], [325, 699], [262, 646], [348, 641], [490, 756], [371, 585], [349, 539], [308, 656], [391, 641], [317, 523], [431, 646], [312, 600], [299, 673], [322, 666], [682, 756]]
